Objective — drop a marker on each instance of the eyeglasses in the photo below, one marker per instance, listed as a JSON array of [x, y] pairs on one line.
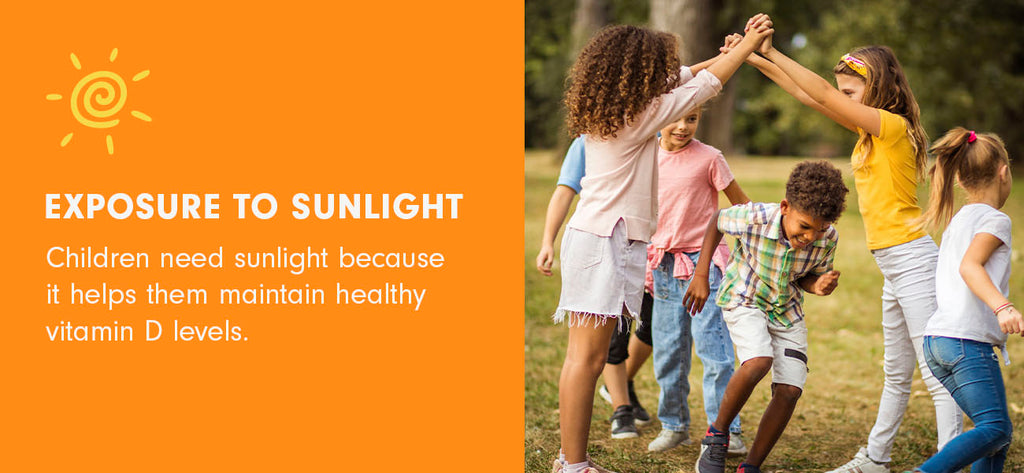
[[857, 65]]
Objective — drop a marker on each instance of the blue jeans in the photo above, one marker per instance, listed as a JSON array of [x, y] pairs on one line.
[[674, 332], [970, 371]]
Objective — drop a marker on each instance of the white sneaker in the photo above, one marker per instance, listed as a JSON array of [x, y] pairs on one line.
[[607, 396], [591, 467], [736, 447], [862, 464], [668, 439]]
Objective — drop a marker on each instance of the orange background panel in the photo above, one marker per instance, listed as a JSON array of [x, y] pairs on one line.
[[347, 98]]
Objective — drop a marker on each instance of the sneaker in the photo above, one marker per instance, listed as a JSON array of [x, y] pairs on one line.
[[668, 439], [736, 446], [640, 415], [745, 468], [713, 448], [591, 467], [862, 464], [623, 426]]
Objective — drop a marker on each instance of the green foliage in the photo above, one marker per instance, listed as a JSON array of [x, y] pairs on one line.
[[963, 59]]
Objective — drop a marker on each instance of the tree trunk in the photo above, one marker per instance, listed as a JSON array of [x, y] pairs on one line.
[[695, 22], [591, 15]]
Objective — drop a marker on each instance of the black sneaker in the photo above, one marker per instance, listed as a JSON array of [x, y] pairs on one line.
[[623, 425], [639, 413], [745, 468], [713, 448]]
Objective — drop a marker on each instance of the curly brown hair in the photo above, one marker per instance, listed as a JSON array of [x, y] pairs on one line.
[[617, 75], [817, 187]]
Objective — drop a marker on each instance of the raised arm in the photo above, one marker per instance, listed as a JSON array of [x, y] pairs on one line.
[[773, 72], [760, 28], [843, 110]]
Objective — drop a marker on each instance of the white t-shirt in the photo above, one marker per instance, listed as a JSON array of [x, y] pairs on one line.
[[960, 313]]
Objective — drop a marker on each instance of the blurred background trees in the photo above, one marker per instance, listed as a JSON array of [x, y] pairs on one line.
[[963, 58]]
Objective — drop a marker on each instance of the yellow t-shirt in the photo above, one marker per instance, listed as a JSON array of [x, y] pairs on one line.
[[887, 185]]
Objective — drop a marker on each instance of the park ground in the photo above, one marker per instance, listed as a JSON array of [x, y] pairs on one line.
[[840, 399]]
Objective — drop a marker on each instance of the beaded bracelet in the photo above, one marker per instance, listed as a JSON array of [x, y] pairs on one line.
[[1002, 308]]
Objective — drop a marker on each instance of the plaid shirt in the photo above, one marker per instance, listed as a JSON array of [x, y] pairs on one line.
[[764, 269]]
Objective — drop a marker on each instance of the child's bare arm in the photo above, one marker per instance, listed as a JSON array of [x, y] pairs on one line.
[[558, 208], [699, 289], [726, 65], [771, 71], [972, 269], [851, 113], [735, 194], [820, 284]]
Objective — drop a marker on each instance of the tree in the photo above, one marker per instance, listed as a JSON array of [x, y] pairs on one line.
[[696, 22]]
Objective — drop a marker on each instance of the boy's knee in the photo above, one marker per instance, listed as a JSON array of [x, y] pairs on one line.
[[786, 392], [758, 367]]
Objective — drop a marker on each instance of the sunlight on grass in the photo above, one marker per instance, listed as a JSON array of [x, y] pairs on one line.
[[841, 397]]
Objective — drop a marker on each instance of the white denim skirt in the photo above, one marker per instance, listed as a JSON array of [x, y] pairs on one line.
[[600, 276]]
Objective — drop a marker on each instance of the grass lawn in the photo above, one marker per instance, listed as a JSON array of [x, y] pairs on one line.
[[840, 399]]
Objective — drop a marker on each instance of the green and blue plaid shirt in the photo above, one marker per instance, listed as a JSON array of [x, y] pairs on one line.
[[764, 269]]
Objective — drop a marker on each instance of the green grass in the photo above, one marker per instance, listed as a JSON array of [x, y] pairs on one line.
[[840, 399]]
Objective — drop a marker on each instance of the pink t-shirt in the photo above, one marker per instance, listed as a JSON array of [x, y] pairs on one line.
[[621, 179], [689, 180]]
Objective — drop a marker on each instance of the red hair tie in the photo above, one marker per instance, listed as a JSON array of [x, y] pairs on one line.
[[972, 137]]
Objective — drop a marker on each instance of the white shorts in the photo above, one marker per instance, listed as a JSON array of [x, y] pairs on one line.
[[755, 337], [600, 275]]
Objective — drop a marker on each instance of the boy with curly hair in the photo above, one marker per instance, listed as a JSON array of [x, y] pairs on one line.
[[782, 250]]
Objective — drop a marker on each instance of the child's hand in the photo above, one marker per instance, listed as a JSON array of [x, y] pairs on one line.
[[1010, 321], [545, 259], [759, 25], [766, 45], [696, 295], [730, 42], [826, 283]]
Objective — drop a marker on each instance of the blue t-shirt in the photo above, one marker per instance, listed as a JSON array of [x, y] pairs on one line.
[[573, 166]]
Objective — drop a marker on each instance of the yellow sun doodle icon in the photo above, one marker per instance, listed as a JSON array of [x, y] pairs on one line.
[[98, 97]]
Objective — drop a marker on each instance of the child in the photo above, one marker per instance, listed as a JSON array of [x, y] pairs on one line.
[[972, 284], [874, 100], [603, 250], [625, 354], [781, 249], [690, 175]]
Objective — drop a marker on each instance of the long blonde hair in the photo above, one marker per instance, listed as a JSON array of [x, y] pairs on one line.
[[958, 159], [887, 88]]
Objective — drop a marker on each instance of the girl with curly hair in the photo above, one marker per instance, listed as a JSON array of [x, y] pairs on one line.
[[624, 87]]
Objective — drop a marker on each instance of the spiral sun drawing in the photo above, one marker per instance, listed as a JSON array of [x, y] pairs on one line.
[[97, 99]]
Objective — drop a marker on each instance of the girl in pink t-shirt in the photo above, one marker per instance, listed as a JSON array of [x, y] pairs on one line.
[[690, 176], [624, 87]]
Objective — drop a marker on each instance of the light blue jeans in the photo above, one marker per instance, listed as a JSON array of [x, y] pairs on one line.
[[970, 371], [674, 332]]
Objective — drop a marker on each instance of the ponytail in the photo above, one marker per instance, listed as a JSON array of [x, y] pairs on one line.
[[961, 156]]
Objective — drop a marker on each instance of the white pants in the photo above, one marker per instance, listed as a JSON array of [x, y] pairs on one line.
[[908, 301]]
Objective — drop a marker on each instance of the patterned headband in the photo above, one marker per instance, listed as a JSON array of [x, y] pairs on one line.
[[857, 65]]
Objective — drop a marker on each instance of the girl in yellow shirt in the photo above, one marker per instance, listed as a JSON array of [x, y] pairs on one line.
[[874, 100]]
